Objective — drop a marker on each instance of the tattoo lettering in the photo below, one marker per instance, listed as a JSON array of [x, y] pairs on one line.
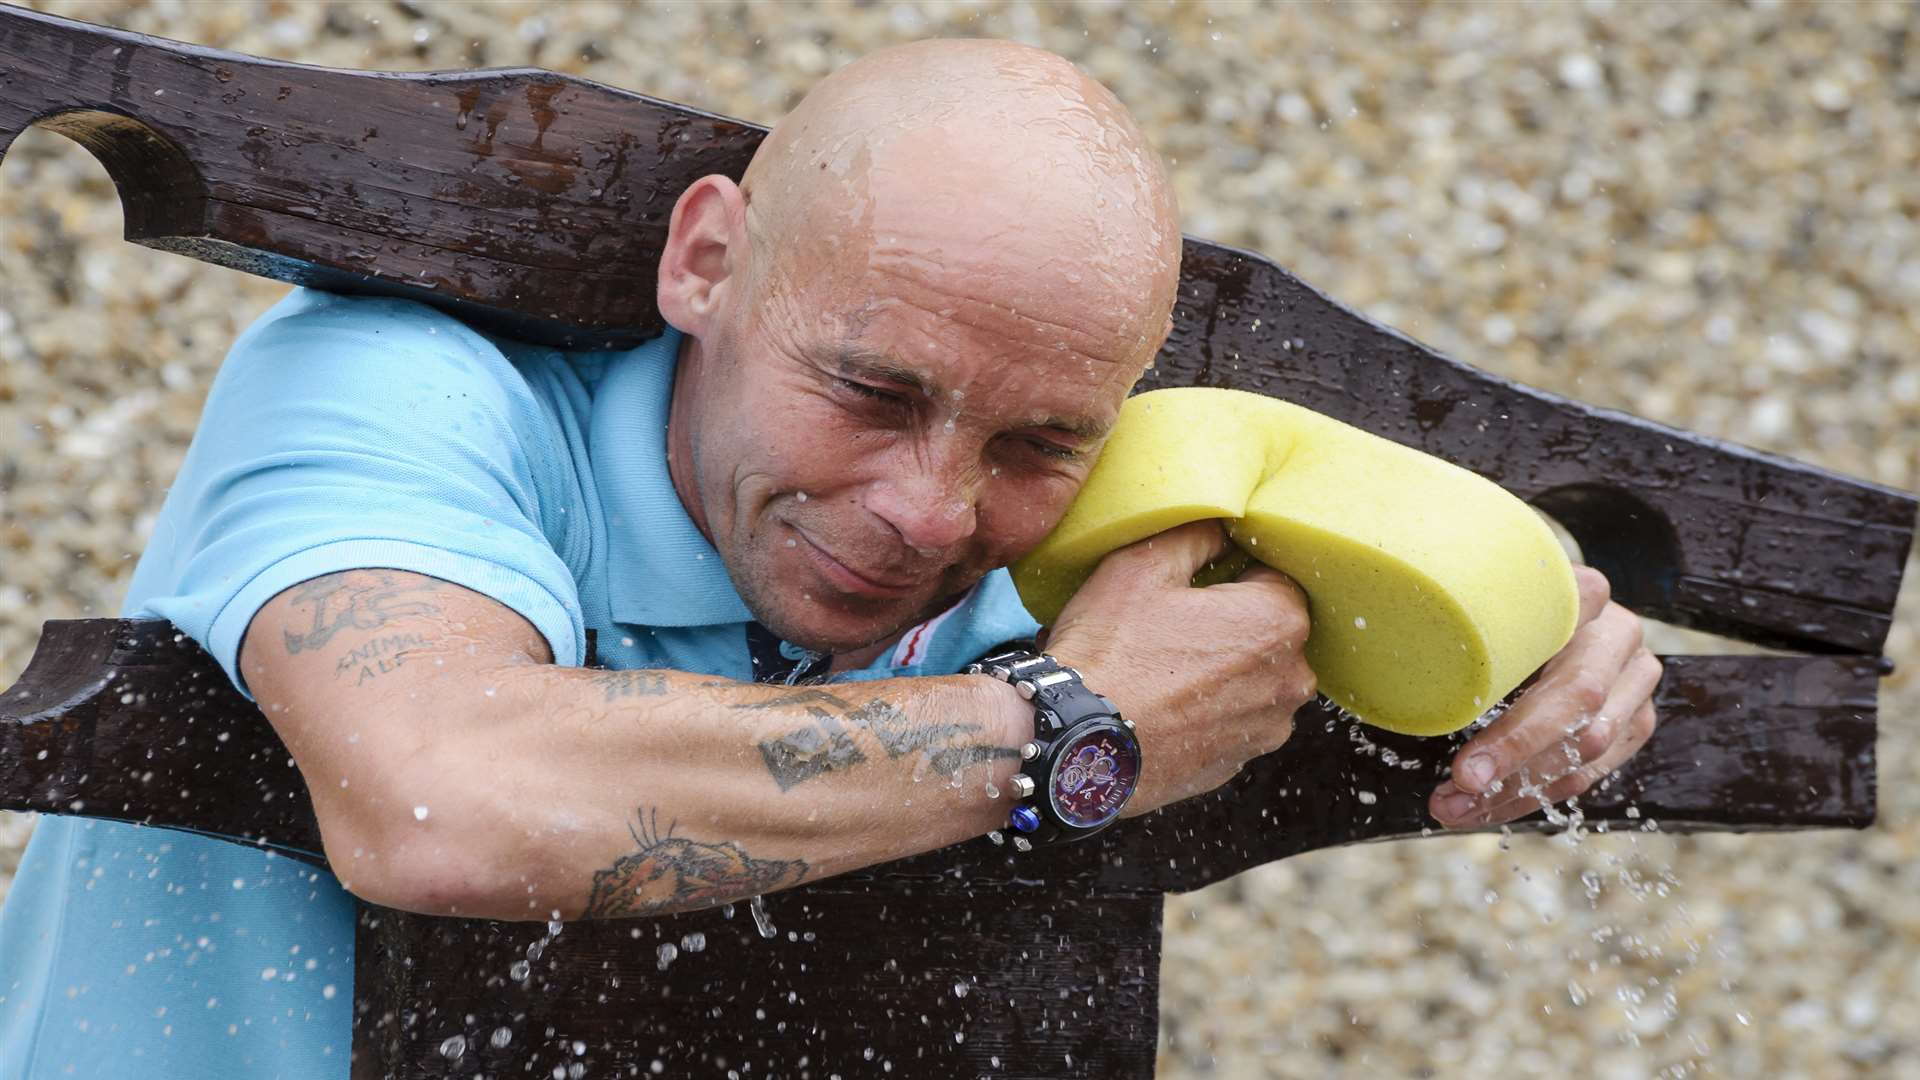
[[378, 657], [670, 873], [630, 683], [357, 600], [806, 753]]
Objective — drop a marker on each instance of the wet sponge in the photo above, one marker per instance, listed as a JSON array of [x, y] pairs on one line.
[[1433, 591]]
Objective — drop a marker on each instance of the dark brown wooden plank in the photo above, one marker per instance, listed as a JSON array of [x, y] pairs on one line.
[[139, 726], [1689, 530], [118, 719], [531, 202], [535, 203], [1039, 983], [131, 720]]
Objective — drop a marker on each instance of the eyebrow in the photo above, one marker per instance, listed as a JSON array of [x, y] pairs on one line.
[[860, 362]]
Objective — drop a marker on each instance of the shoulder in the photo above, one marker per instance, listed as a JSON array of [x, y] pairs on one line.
[[376, 352], [336, 326]]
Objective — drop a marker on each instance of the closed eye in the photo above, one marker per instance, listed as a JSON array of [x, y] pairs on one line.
[[1054, 449], [873, 392]]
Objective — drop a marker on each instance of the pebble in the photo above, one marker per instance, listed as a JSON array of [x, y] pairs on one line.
[[1704, 216]]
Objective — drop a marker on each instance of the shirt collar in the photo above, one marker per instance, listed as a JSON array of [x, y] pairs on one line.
[[661, 571]]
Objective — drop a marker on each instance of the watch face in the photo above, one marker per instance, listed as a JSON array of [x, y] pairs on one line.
[[1093, 776]]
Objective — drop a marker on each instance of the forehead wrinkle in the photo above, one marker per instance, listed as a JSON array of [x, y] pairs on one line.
[[1080, 345]]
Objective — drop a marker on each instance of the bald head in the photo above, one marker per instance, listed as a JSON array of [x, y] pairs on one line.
[[990, 157], [908, 329]]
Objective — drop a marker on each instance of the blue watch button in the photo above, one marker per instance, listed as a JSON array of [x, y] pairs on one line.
[[1025, 818]]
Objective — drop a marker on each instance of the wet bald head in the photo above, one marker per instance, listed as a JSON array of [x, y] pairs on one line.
[[1021, 162]]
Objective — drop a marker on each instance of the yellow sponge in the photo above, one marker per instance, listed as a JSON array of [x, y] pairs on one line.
[[1433, 591]]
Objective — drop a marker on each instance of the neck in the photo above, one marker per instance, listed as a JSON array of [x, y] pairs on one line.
[[686, 379]]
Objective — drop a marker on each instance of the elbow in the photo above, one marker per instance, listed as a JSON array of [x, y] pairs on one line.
[[426, 859]]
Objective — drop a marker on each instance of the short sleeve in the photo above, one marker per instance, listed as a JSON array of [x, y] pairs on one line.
[[350, 433]]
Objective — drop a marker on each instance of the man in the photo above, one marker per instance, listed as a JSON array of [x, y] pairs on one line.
[[897, 345]]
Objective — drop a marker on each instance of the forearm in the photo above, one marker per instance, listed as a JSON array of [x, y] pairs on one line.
[[618, 793]]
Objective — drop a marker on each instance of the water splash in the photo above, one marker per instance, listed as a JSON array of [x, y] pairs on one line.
[[758, 906]]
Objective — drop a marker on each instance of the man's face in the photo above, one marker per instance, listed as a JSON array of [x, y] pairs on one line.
[[868, 443]]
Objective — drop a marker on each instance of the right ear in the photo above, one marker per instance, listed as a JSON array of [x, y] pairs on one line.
[[706, 254]]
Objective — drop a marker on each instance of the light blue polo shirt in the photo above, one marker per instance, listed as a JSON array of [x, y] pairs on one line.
[[356, 432]]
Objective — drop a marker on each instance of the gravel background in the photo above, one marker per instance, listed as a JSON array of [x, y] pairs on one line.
[[1703, 214]]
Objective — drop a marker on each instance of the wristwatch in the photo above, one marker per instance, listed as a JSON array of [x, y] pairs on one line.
[[1083, 762]]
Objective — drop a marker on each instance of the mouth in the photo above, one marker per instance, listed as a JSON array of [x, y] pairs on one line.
[[846, 578]]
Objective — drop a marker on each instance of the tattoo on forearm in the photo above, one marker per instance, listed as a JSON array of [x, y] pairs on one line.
[[670, 873], [808, 696], [378, 657], [826, 745], [358, 600], [810, 751], [637, 682]]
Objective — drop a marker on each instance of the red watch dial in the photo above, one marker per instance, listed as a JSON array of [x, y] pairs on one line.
[[1093, 776]]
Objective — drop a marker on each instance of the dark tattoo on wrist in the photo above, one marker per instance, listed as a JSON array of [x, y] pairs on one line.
[[827, 746], [670, 873], [358, 600], [806, 753], [378, 657], [636, 682]]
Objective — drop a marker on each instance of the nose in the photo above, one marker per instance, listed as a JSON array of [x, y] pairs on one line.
[[931, 504]]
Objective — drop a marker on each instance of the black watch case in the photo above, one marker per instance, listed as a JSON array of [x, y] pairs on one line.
[[1083, 763]]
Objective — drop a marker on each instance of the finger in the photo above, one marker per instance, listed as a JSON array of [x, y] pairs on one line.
[[1594, 739], [1565, 697], [1263, 576], [1595, 591], [1540, 790], [1176, 554]]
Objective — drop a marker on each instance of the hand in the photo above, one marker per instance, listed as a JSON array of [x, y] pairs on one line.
[[1211, 677], [1590, 709]]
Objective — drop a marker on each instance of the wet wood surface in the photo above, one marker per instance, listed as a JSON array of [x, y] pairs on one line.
[[534, 204], [127, 719]]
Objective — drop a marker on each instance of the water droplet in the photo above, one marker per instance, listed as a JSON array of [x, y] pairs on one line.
[[758, 906], [1359, 623], [519, 971], [801, 496], [454, 1047], [419, 813], [693, 942], [669, 952], [501, 1037]]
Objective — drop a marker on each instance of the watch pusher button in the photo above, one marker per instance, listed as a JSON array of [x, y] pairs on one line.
[[1022, 786], [1029, 751], [1021, 843], [1024, 818], [1026, 688]]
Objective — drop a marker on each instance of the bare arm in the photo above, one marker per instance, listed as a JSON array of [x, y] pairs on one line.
[[456, 771]]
